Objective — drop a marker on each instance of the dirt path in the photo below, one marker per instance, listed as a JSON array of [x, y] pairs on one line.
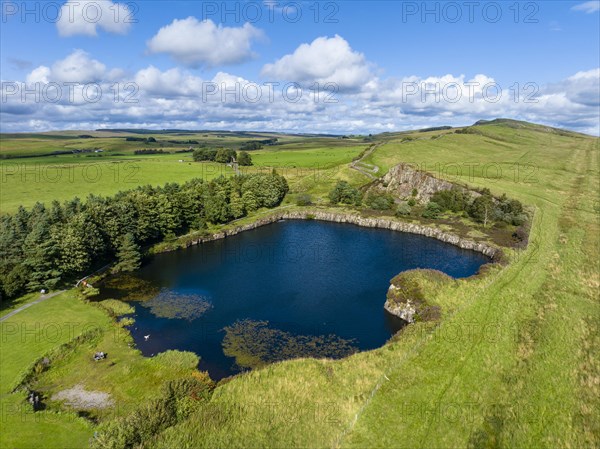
[[81, 399], [369, 170], [42, 298]]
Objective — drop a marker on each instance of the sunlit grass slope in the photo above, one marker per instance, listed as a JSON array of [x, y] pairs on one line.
[[514, 361]]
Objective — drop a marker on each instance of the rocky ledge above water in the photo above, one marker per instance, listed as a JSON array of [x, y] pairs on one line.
[[368, 222], [412, 294]]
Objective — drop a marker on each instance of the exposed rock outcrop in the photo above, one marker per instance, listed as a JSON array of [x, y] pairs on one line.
[[402, 179], [405, 310], [411, 294]]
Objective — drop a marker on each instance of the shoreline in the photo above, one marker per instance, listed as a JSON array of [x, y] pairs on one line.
[[494, 253]]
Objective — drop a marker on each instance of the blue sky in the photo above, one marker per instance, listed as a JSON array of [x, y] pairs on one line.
[[379, 46]]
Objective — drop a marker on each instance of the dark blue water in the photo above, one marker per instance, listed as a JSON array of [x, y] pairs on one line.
[[303, 277]]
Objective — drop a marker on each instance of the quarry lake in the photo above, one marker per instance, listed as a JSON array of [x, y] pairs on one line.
[[288, 289]]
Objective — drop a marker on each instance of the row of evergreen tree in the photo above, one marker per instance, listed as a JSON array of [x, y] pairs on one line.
[[46, 246]]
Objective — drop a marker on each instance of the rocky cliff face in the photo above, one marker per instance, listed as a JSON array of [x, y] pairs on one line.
[[402, 179], [382, 223], [412, 293], [404, 310]]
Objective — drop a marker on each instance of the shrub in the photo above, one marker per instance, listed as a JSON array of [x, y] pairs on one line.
[[379, 201], [224, 155], [86, 292], [127, 321], [177, 359], [251, 145], [403, 210], [244, 159], [304, 199], [519, 219], [511, 211], [432, 211], [116, 307], [150, 151], [454, 200], [412, 202], [141, 425], [204, 154], [268, 190], [346, 194], [510, 206], [482, 209], [197, 387], [179, 399]]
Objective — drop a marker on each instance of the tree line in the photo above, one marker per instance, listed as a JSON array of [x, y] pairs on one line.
[[222, 155], [47, 245]]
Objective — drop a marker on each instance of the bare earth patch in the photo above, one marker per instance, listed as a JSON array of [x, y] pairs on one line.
[[81, 399]]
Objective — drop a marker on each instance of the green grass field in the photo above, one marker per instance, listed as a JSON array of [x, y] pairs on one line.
[[514, 361], [45, 178]]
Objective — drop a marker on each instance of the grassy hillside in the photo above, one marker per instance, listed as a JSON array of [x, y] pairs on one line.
[[513, 362]]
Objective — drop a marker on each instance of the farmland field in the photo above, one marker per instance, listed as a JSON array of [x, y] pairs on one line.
[[26, 180]]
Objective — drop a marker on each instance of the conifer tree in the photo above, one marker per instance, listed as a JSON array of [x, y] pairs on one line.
[[128, 255]]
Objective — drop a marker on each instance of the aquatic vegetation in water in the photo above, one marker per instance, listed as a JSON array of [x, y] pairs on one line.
[[129, 288], [255, 344], [127, 321], [177, 359], [169, 304], [116, 307]]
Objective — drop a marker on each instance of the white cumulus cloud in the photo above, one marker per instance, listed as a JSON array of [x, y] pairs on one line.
[[78, 67], [170, 83], [39, 75], [582, 88], [85, 17], [203, 43], [324, 60], [588, 7]]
